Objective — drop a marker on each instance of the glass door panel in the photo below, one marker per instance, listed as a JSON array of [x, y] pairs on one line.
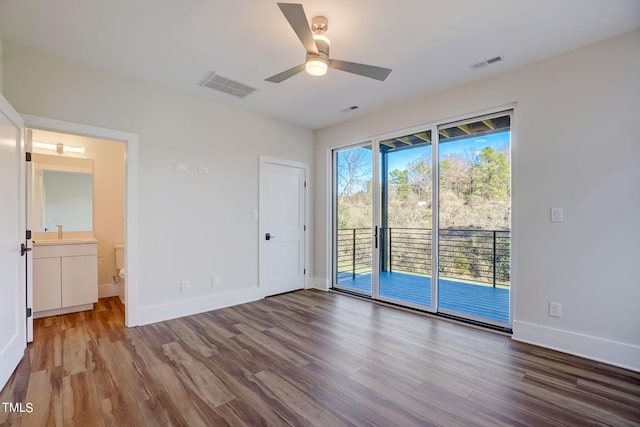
[[475, 219], [404, 233], [353, 245]]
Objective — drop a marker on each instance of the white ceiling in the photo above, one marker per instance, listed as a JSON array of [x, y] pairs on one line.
[[429, 44]]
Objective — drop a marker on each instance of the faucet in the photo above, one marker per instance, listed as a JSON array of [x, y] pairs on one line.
[[59, 231]]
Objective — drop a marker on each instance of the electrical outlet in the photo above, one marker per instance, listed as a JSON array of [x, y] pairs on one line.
[[555, 309], [184, 286], [215, 281]]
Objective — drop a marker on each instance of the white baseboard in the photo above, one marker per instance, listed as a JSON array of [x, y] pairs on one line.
[[108, 290], [63, 310], [602, 350], [187, 307]]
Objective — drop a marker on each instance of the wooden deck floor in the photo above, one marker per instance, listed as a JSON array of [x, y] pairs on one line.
[[300, 359], [479, 301]]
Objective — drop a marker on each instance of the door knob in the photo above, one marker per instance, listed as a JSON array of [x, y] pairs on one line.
[[24, 249], [268, 236]]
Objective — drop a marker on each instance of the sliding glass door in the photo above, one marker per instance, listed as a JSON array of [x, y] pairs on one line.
[[475, 219], [353, 216], [404, 231], [423, 219]]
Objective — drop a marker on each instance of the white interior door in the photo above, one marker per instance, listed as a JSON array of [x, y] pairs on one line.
[[12, 264], [282, 226]]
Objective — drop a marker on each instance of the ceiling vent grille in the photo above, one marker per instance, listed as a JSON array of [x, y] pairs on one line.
[[486, 62], [223, 84], [349, 109]]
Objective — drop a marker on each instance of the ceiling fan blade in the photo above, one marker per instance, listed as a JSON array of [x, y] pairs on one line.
[[286, 74], [298, 20], [370, 71]]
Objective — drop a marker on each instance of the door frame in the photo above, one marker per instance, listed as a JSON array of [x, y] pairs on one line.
[[262, 229], [131, 236], [28, 206]]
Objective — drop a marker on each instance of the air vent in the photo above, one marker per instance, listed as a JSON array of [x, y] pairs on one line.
[[486, 62], [223, 84], [349, 109]]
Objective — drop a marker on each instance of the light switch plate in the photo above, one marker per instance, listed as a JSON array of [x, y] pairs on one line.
[[557, 215], [182, 167]]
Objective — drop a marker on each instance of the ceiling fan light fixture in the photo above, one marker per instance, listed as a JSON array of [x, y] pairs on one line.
[[317, 46], [316, 66], [322, 39]]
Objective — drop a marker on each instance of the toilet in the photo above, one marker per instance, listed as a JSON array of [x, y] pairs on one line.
[[121, 272]]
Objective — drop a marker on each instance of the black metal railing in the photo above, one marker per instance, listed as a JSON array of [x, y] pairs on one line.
[[479, 255], [354, 251], [476, 255]]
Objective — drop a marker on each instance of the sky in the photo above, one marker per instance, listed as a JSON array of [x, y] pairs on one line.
[[400, 159]]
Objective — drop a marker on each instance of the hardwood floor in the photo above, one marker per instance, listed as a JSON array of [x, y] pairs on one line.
[[304, 358]]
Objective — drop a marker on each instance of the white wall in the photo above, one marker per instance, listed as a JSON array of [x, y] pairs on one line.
[[575, 146], [1, 68], [108, 204], [191, 225]]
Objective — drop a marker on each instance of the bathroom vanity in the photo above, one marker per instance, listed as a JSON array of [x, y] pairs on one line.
[[65, 276]]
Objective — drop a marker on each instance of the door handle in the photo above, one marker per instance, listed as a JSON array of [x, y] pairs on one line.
[[24, 249], [268, 236], [375, 237]]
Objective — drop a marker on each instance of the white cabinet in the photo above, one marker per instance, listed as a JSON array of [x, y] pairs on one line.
[[79, 280], [47, 289], [65, 277]]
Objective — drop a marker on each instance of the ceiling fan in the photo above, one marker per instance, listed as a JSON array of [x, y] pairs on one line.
[[317, 47]]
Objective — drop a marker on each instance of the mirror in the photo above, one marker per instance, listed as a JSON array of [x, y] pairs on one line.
[[62, 193]]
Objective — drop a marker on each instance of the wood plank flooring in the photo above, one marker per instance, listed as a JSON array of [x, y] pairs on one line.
[[300, 359]]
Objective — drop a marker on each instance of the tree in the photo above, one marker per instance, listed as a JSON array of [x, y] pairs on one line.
[[354, 188], [399, 181], [354, 170], [419, 176], [490, 175]]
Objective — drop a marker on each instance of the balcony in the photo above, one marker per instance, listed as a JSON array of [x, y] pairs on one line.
[[474, 268]]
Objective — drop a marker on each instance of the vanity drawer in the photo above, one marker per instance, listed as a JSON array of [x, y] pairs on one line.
[[52, 251]]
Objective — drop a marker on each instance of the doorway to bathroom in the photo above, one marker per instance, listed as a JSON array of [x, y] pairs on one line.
[[108, 215]]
